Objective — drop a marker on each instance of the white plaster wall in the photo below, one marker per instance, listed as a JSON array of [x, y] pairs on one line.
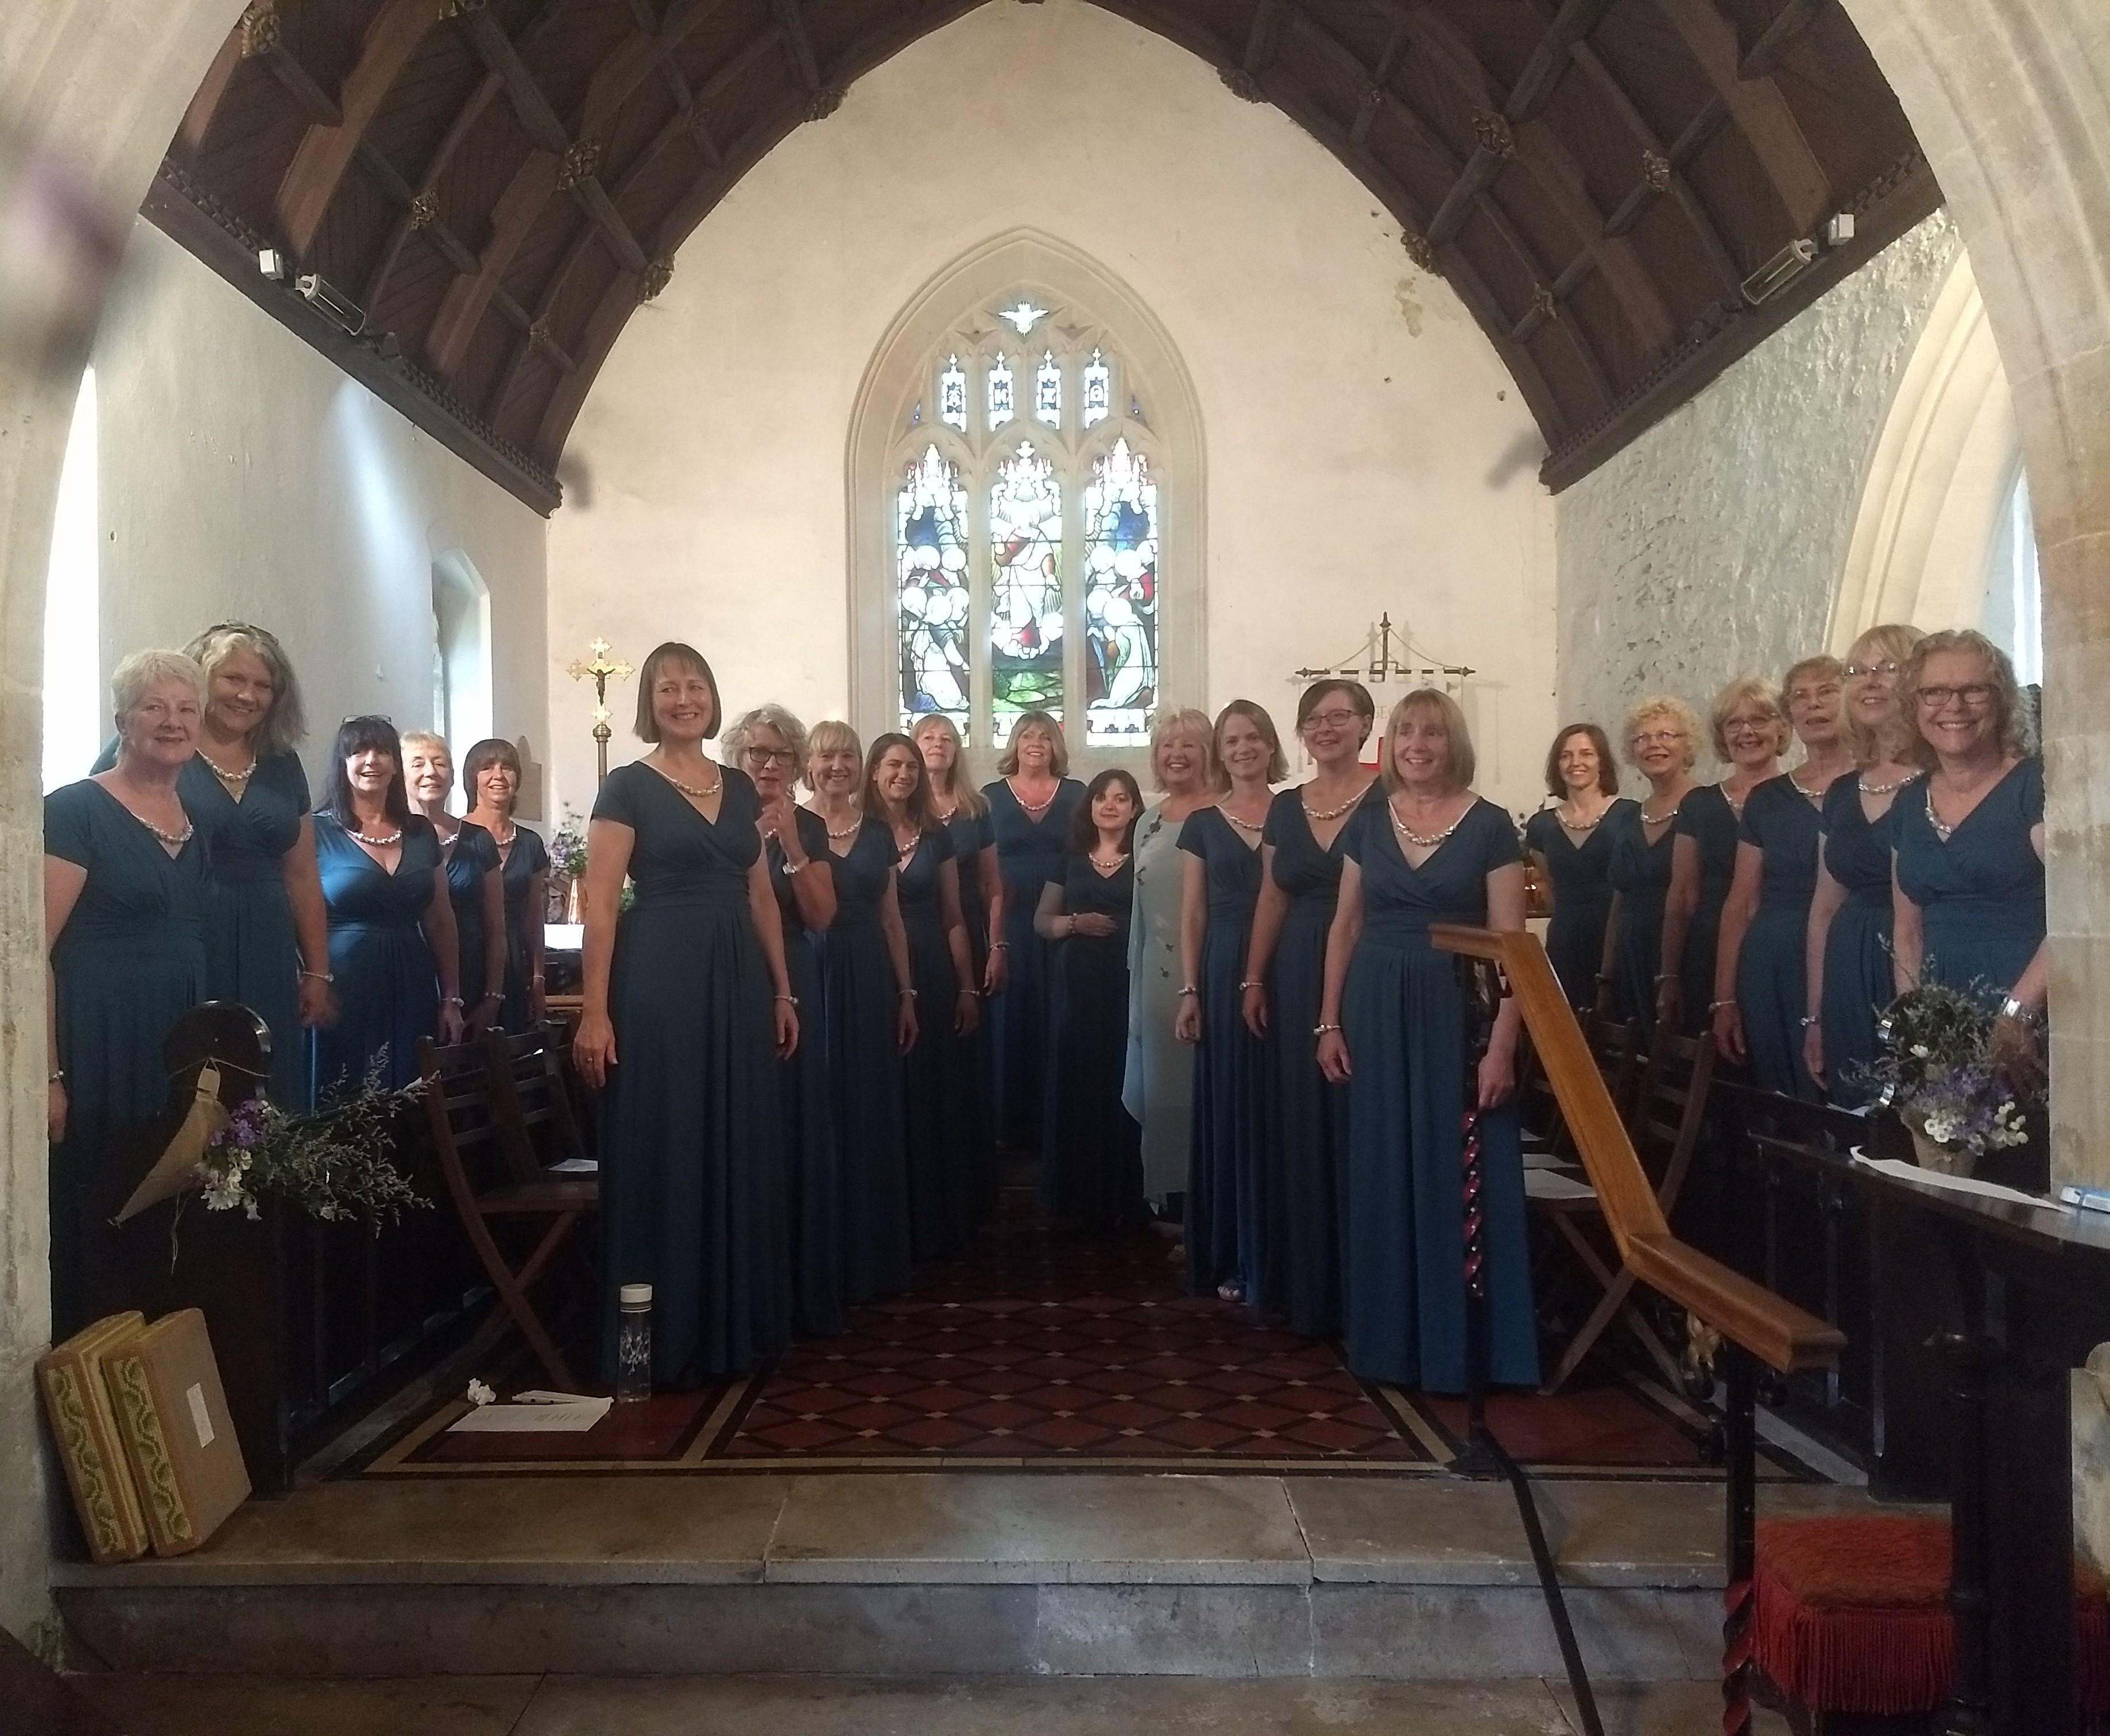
[[1714, 544], [242, 477], [1365, 450]]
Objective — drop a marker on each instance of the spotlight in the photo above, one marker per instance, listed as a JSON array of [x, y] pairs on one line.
[[334, 304], [1839, 230], [1779, 271], [272, 263]]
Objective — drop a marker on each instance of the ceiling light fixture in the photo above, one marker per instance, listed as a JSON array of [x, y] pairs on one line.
[[332, 302], [1779, 271]]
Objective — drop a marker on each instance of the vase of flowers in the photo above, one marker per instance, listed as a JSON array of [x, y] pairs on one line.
[[1934, 1068], [567, 858]]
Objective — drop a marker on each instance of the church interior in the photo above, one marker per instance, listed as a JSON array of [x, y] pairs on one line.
[[1064, 369]]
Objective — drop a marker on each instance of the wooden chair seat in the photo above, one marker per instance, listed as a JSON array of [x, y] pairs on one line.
[[567, 1195]]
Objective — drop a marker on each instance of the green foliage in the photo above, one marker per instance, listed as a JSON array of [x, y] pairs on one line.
[[336, 1163]]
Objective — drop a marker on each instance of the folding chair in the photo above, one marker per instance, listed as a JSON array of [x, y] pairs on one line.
[[491, 1095], [1616, 1045], [1669, 1111]]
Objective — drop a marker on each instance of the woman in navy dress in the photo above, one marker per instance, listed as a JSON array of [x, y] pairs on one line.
[[1662, 740], [492, 771], [1969, 909], [688, 1009], [769, 744], [471, 859], [1030, 806], [1232, 1150], [127, 892], [1574, 853], [1285, 972], [871, 1020], [938, 1084], [1749, 730], [1092, 1175], [1393, 1026], [1759, 985], [964, 812], [392, 919], [1847, 953]]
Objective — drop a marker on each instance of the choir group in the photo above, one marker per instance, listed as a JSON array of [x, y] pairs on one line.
[[815, 1028]]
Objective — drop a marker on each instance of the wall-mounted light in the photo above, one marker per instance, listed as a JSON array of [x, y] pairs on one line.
[[272, 263], [1779, 271], [332, 302], [1839, 230]]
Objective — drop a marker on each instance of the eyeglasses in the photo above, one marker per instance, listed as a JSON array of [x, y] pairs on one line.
[[771, 757], [1659, 737], [1855, 671], [1977, 693], [1764, 721], [1330, 721]]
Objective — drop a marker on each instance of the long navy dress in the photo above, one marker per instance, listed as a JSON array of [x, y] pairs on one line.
[[812, 1189], [130, 961], [1982, 895], [1639, 871], [972, 833], [1404, 1021], [1092, 1174], [864, 1072], [691, 1153], [1231, 1146], [1858, 980], [1582, 896], [1309, 1194], [1706, 818], [388, 991], [938, 1076], [1772, 975], [1029, 853], [471, 854], [525, 858]]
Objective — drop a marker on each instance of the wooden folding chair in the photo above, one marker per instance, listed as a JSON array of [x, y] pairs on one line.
[[1669, 1111], [489, 1097]]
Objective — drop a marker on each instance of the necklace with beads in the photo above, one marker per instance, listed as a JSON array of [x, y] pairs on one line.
[[851, 830], [1815, 797], [237, 781], [1108, 865], [905, 853], [689, 790], [1942, 828], [174, 840], [1422, 841], [1034, 810], [1866, 788], [1255, 827], [1580, 825], [382, 842], [1648, 819]]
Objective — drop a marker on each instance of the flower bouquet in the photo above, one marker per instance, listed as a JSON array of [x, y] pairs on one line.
[[336, 1163], [1935, 1067]]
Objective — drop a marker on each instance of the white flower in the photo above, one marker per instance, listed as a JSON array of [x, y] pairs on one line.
[[479, 1394], [1920, 1050]]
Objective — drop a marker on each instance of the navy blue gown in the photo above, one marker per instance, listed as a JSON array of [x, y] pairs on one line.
[[1308, 1194], [1771, 976], [1581, 875], [1858, 979], [1093, 1172], [130, 961], [972, 833], [1639, 871], [1029, 853], [812, 1185], [864, 1072], [524, 859], [387, 990], [471, 855], [1982, 895], [1706, 818], [691, 1157], [1231, 1155], [938, 1076], [1404, 1021]]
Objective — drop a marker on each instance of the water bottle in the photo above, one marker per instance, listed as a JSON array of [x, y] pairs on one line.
[[633, 1342]]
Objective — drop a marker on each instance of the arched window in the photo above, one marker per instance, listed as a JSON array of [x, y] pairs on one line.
[[1035, 480], [2013, 615], [461, 652], [76, 704]]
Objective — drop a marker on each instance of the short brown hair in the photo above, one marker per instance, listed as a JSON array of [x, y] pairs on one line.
[[922, 813], [2011, 715], [1058, 761], [1823, 666], [672, 651], [1745, 689], [1358, 697], [493, 750], [1255, 714], [1460, 760], [1608, 768]]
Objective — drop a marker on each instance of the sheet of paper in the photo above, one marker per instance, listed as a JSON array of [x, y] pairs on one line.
[[574, 1417], [1964, 1184], [576, 1166]]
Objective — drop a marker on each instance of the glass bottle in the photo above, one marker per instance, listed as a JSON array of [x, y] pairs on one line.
[[633, 1342]]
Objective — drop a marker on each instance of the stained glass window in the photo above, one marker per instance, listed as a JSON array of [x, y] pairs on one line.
[[933, 590], [1002, 404], [1047, 391], [1120, 598], [1025, 592], [1098, 389], [953, 395]]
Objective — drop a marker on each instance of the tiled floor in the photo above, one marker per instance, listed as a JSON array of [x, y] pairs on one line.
[[1091, 1705]]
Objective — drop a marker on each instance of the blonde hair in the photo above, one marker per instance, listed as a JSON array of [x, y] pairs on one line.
[[2011, 715], [673, 651], [1169, 723], [286, 723], [426, 738], [1661, 705], [965, 798], [132, 680], [1746, 690], [830, 735], [740, 736], [1255, 714], [1058, 761], [1893, 642], [1460, 760]]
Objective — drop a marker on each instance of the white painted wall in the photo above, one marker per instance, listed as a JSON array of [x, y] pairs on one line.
[[243, 477], [1365, 451], [1714, 544]]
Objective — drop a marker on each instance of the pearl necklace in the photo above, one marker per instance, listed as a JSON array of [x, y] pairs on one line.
[[851, 830], [689, 790], [1034, 810], [175, 840], [1866, 788], [1317, 818], [1254, 826], [379, 843], [233, 779], [1940, 831], [1813, 796], [1103, 865], [1581, 825], [1419, 841], [1648, 819]]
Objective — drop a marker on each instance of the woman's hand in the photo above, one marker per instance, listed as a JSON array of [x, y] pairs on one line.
[[778, 818], [317, 1002], [787, 1028], [997, 971], [1670, 1003], [1254, 1005], [1094, 923], [1333, 1056], [1729, 1031], [55, 1111], [593, 1049], [967, 1012], [1187, 1023], [449, 1024], [481, 1016], [1497, 1077], [905, 1022], [1812, 1051], [2012, 1047]]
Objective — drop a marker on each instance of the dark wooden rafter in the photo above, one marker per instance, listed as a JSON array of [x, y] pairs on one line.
[[797, 45], [1778, 37], [1373, 101], [326, 150]]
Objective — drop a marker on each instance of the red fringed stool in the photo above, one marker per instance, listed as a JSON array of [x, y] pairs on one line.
[[1851, 1621]]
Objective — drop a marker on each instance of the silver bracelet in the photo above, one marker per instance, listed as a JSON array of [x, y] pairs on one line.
[[1320, 1030], [791, 868], [2032, 1016], [788, 1000], [320, 976]]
